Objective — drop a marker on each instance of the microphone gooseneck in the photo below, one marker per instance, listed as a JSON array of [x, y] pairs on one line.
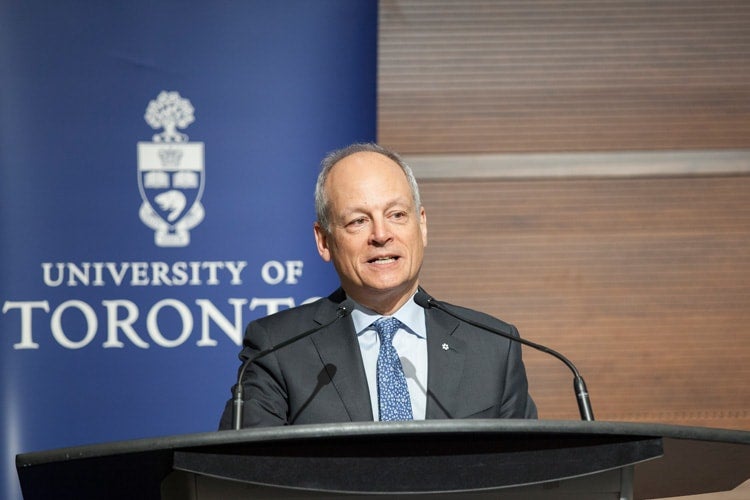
[[579, 385], [238, 402]]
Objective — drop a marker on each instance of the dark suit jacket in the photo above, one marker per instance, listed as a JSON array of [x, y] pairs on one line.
[[321, 378]]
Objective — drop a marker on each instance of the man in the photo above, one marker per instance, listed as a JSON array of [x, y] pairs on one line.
[[372, 226]]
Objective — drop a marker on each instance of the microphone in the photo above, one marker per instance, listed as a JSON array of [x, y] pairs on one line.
[[579, 386], [238, 402]]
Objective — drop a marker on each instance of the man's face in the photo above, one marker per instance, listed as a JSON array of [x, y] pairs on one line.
[[377, 236]]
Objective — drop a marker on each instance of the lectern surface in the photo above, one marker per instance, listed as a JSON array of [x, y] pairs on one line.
[[419, 457]]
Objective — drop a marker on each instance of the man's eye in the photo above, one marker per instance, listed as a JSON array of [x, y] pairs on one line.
[[357, 222], [399, 215]]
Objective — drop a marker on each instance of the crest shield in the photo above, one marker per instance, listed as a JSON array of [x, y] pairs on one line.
[[171, 178]]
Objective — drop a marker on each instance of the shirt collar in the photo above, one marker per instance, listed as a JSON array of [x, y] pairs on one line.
[[411, 315]]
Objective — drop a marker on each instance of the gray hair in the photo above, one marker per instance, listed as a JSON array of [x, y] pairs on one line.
[[321, 197]]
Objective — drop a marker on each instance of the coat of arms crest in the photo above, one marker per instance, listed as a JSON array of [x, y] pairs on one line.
[[171, 173]]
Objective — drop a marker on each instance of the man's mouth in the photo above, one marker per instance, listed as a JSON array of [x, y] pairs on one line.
[[383, 260]]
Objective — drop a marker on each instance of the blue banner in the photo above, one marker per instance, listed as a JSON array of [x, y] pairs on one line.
[[157, 165]]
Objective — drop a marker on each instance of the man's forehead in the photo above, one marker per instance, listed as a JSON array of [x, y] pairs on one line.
[[350, 205]]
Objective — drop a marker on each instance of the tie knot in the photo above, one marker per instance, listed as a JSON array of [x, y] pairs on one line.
[[386, 328]]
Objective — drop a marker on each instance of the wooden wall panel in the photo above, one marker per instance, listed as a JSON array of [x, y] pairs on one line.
[[642, 278], [580, 75], [644, 283]]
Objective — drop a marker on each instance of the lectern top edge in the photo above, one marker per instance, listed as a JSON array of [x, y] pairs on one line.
[[363, 429]]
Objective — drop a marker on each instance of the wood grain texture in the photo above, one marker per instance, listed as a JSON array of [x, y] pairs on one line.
[[644, 283], [642, 277], [581, 75]]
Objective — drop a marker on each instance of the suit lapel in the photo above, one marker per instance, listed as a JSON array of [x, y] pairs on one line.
[[446, 355], [339, 351]]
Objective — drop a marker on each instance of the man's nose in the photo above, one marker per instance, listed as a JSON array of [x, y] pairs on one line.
[[381, 233]]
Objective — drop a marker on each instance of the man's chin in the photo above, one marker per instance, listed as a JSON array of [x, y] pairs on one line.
[[390, 291]]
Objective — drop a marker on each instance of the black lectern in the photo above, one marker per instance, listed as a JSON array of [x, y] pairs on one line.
[[439, 458]]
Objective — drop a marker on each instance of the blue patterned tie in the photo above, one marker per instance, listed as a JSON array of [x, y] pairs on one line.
[[393, 395]]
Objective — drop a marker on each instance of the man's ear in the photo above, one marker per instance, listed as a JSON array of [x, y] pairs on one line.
[[423, 225], [321, 241]]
